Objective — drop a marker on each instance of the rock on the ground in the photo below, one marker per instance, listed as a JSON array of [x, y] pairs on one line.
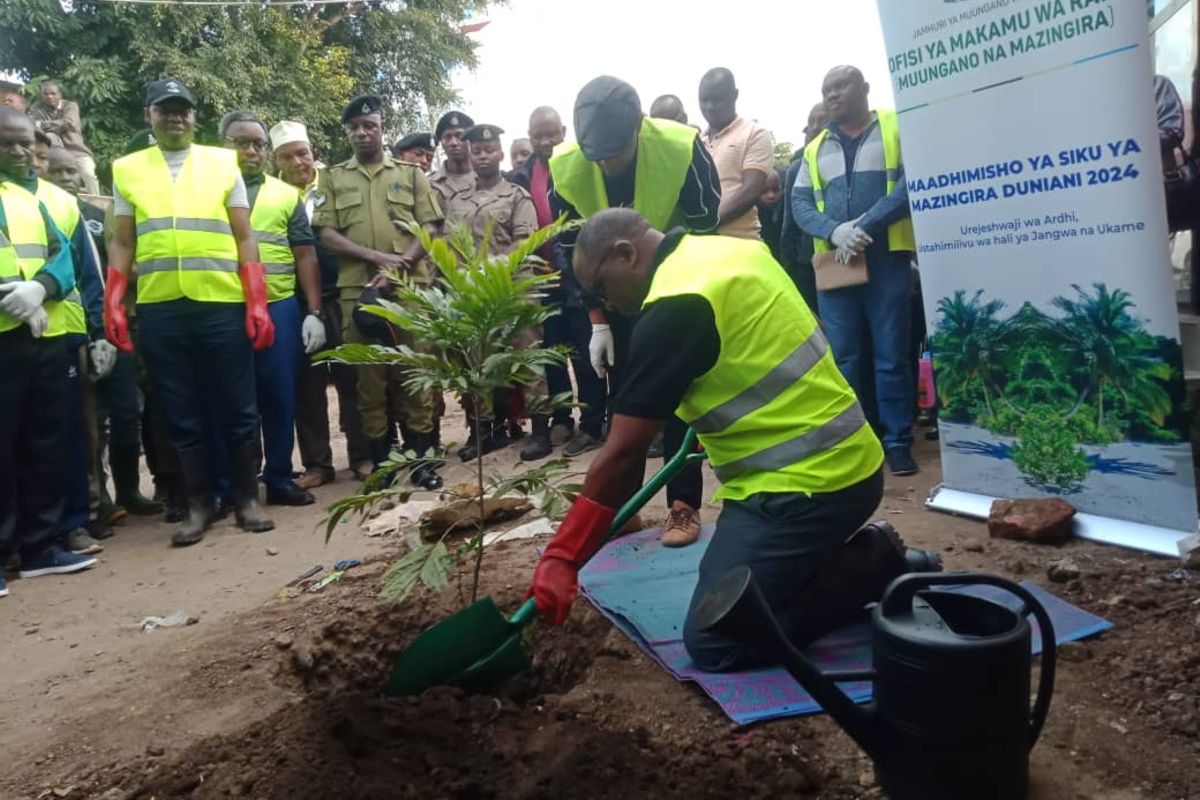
[[283, 641], [1043, 521], [1063, 571], [272, 551]]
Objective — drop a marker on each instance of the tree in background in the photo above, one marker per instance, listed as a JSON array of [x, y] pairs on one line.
[[295, 62], [783, 154]]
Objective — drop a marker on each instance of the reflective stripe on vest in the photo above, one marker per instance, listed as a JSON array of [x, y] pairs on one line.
[[774, 412], [664, 157], [900, 234], [64, 210], [185, 245], [274, 206], [25, 252]]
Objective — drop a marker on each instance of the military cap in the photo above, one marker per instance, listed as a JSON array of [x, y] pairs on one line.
[[413, 140], [607, 115], [361, 106], [483, 133], [451, 120]]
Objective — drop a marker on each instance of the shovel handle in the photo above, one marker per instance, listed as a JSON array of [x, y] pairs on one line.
[[525, 614], [687, 454]]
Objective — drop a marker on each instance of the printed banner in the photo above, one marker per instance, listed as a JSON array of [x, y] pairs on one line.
[[1035, 179]]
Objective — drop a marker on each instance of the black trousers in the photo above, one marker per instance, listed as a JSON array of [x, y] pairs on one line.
[[688, 485], [312, 402], [201, 362], [785, 539], [33, 399]]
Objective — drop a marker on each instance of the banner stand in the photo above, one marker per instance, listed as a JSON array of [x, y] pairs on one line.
[[1106, 530]]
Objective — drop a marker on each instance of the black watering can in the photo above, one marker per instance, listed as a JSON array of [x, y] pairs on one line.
[[950, 719]]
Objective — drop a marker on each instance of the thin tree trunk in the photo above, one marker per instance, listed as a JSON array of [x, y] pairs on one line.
[[482, 504], [1078, 404]]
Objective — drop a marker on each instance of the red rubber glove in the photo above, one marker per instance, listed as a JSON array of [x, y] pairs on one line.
[[259, 327], [556, 579], [116, 323]]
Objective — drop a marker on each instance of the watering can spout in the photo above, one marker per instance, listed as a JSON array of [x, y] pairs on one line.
[[735, 608]]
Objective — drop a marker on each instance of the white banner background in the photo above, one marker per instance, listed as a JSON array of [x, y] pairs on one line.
[[1022, 111]]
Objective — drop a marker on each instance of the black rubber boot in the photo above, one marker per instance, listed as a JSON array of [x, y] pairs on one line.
[[243, 480], [426, 474], [470, 450], [124, 463], [539, 444], [176, 498], [197, 492], [850, 577]]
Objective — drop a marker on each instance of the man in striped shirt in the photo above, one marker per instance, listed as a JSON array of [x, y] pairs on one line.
[[623, 145]]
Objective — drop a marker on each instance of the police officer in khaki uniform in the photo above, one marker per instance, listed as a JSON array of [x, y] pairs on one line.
[[455, 174], [360, 208], [509, 211]]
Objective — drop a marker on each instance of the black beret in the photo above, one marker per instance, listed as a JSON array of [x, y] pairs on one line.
[[483, 133], [413, 140], [361, 106], [451, 120]]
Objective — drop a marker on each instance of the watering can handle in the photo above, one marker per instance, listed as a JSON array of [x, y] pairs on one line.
[[899, 597]]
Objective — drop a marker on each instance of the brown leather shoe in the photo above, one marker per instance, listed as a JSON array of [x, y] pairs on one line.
[[312, 478], [682, 526]]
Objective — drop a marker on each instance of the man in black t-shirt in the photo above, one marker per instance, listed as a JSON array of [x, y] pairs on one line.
[[608, 124]]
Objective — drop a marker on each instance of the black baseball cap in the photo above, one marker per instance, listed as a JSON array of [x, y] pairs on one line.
[[607, 115], [165, 89]]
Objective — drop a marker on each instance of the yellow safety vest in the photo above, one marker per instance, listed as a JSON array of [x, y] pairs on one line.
[[900, 234], [185, 245], [64, 210], [25, 252], [663, 159], [273, 208], [774, 412]]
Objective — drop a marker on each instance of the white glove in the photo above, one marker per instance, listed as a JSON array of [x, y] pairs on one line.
[[848, 236], [22, 299], [601, 349], [312, 332], [844, 255], [38, 322], [102, 355]]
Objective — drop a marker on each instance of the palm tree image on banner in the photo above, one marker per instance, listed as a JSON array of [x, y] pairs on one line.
[[1060, 400]]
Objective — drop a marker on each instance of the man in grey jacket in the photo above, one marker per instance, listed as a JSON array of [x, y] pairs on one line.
[[850, 194]]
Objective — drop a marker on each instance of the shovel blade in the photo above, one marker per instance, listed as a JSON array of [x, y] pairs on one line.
[[450, 648]]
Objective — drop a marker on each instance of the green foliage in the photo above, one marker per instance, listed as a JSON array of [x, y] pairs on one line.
[[783, 154], [1093, 367], [294, 62], [1047, 454], [468, 324], [427, 564]]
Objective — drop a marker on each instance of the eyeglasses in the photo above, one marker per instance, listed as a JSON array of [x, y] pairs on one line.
[[242, 144]]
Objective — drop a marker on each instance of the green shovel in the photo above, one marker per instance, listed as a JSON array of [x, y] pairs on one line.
[[478, 648]]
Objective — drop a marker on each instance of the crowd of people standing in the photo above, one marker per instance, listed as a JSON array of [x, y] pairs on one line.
[[181, 323]]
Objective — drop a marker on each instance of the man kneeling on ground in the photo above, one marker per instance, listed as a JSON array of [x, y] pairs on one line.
[[723, 339]]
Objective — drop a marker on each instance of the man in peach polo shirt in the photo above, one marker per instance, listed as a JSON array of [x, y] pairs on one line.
[[743, 152]]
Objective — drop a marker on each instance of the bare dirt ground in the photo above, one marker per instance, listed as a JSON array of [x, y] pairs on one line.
[[270, 697]]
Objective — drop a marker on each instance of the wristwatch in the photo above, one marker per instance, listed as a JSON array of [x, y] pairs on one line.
[[316, 312]]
